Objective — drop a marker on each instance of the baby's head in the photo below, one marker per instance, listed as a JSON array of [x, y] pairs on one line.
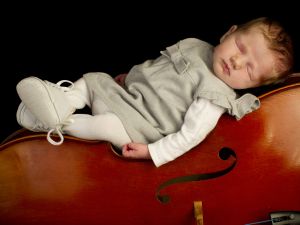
[[253, 54]]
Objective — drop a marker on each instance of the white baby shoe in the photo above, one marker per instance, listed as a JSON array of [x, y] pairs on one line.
[[48, 102]]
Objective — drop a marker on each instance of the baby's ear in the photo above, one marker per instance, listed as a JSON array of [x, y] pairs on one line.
[[230, 31]]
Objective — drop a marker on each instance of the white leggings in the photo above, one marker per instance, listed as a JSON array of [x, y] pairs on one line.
[[102, 125]]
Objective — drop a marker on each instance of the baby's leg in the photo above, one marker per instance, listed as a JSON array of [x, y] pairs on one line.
[[106, 127], [80, 93]]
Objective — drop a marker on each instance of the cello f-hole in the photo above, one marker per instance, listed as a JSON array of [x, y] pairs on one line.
[[226, 152]]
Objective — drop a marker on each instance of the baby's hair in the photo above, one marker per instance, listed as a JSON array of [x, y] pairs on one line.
[[279, 42]]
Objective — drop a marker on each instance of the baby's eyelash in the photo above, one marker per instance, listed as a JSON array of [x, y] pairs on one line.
[[249, 72]]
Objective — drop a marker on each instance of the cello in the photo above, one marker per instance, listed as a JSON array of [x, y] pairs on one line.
[[239, 174]]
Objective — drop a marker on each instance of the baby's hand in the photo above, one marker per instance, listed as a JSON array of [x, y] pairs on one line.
[[120, 79], [136, 151]]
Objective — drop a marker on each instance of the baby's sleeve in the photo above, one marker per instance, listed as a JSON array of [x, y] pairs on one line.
[[200, 119]]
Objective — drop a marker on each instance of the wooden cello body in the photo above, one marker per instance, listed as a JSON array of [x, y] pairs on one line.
[[84, 182]]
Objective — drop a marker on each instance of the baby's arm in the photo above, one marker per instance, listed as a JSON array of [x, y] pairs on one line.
[[201, 117]]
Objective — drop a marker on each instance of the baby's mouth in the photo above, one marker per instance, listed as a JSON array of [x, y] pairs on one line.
[[226, 68]]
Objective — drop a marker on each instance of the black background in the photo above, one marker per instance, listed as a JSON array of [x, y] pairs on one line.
[[55, 41]]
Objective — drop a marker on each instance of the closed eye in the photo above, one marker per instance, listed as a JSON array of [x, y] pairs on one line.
[[250, 72], [241, 47]]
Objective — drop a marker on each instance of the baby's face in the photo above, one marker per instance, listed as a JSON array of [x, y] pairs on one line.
[[242, 59]]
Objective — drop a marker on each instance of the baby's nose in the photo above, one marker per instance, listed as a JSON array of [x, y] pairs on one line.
[[237, 62]]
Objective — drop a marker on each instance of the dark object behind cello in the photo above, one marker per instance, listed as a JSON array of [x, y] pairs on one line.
[[84, 182]]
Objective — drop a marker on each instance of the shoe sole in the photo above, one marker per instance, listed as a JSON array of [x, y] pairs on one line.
[[20, 113]]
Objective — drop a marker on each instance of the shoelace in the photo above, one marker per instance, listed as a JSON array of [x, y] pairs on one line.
[[58, 127], [58, 85], [59, 132]]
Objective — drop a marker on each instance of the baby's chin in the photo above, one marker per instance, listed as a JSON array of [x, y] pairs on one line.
[[218, 73], [218, 69]]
